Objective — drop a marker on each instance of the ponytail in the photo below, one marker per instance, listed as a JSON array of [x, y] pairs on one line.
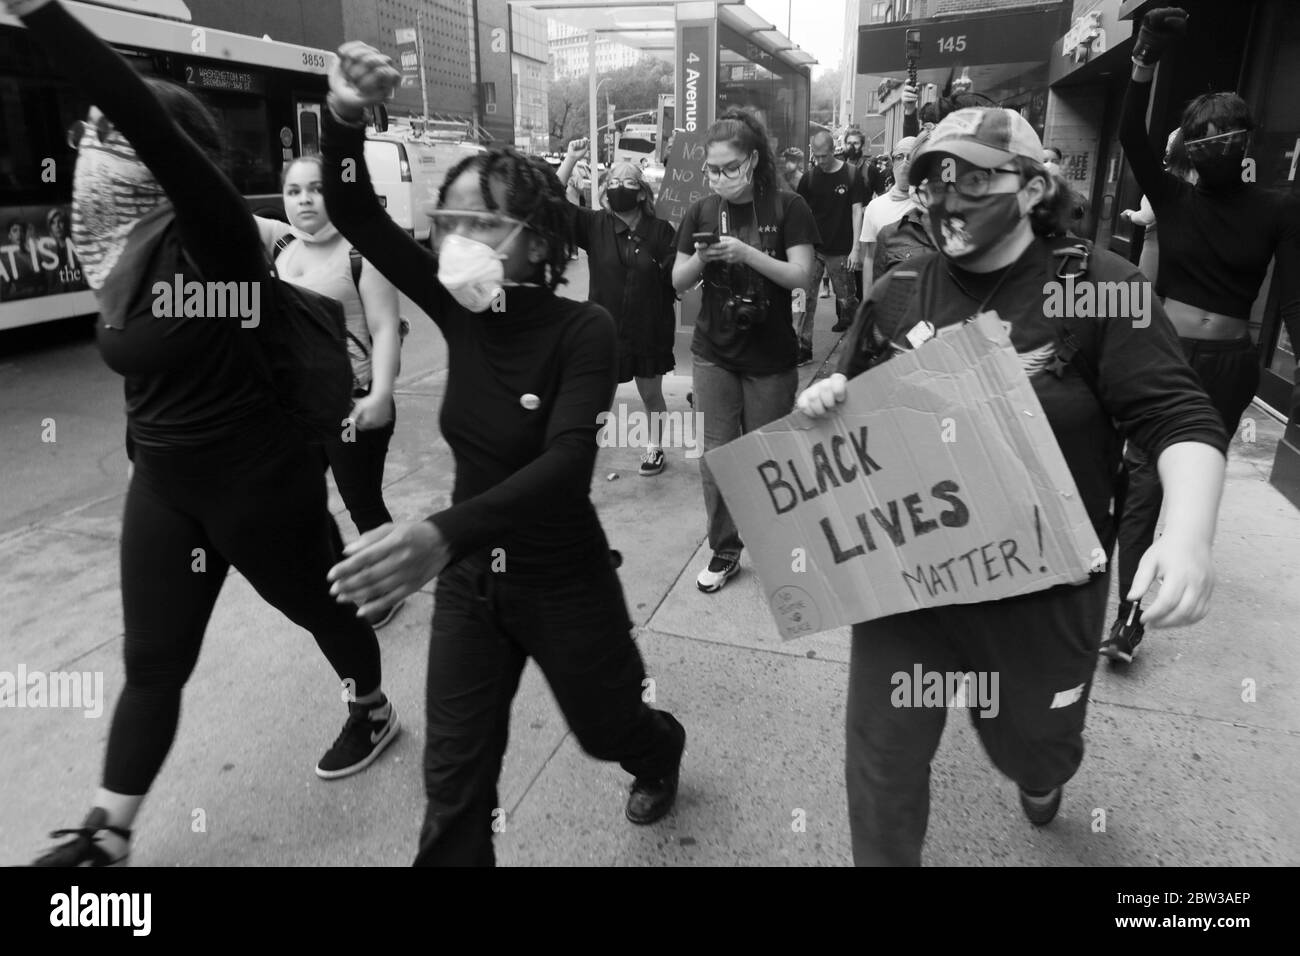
[[742, 128]]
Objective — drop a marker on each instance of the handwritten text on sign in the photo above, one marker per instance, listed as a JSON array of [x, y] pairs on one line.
[[938, 481]]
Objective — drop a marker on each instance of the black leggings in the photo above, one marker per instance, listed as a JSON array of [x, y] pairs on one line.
[[257, 503], [1229, 373], [358, 468]]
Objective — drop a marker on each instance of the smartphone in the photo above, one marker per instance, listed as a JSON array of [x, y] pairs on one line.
[[705, 238]]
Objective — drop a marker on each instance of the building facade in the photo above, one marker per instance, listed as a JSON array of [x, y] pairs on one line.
[[496, 74], [531, 73], [446, 27], [570, 56]]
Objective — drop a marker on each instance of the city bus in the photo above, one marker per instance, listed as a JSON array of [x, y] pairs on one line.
[[267, 97]]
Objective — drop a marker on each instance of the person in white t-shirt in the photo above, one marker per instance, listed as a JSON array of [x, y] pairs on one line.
[[887, 207]]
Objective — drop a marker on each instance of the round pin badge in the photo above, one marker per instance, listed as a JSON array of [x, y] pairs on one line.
[[530, 401]]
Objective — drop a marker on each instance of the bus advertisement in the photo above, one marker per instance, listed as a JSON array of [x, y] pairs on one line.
[[267, 97]]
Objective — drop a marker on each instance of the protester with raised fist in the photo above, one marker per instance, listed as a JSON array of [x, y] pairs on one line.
[[630, 268], [522, 564], [222, 477], [998, 219], [1218, 236]]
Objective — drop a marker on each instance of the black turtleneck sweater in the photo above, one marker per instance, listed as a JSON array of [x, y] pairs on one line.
[[1215, 244], [524, 389]]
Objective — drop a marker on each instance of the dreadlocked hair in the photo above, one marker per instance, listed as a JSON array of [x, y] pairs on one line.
[[534, 195], [742, 128]]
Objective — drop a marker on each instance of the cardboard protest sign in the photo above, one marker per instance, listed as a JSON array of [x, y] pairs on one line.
[[683, 182], [938, 481]]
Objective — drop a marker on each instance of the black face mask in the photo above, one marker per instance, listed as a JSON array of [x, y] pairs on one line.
[[623, 200], [1218, 172]]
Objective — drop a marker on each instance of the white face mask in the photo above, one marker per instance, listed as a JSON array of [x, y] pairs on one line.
[[472, 271]]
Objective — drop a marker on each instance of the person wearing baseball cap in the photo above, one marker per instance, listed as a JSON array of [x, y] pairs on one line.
[[998, 218], [791, 169]]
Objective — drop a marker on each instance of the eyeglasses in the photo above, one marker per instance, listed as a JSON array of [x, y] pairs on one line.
[[624, 184], [1216, 145], [972, 184], [471, 221], [729, 171], [77, 131]]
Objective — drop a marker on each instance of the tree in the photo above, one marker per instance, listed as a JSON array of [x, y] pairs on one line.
[[825, 95], [632, 89]]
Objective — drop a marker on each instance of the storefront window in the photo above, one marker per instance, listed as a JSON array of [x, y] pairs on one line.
[[750, 77]]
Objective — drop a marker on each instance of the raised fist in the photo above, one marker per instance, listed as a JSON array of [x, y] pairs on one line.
[[1159, 28], [909, 97], [361, 77]]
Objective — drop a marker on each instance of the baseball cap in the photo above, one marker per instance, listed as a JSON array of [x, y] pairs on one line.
[[985, 137]]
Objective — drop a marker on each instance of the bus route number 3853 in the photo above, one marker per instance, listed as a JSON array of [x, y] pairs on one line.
[[313, 59]]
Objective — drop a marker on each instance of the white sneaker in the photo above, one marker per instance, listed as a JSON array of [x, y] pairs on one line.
[[713, 577]]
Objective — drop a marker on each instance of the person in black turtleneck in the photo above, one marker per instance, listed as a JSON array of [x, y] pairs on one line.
[[523, 565], [1217, 238]]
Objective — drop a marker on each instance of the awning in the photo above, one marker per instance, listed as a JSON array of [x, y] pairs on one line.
[[651, 26], [991, 48]]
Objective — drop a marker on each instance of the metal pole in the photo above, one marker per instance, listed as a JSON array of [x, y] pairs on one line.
[[592, 118], [419, 46]]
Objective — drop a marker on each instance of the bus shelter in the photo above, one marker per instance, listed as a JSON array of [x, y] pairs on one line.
[[723, 55]]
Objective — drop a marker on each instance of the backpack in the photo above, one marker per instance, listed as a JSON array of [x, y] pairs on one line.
[[1077, 348]]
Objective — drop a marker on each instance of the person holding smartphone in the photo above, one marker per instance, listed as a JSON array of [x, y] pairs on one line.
[[750, 244]]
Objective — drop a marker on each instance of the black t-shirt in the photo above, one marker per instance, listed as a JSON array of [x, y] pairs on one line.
[[831, 197], [1146, 386], [769, 346]]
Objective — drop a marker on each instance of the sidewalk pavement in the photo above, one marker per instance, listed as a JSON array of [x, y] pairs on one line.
[[1180, 769]]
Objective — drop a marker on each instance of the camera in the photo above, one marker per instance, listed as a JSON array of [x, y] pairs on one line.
[[746, 311]]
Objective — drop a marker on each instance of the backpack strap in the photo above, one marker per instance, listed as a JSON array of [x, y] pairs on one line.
[[1071, 256], [877, 323], [280, 245]]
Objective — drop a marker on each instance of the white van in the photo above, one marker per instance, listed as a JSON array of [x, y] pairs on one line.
[[407, 172]]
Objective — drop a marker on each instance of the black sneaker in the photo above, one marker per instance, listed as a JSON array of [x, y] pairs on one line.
[[362, 740], [1125, 635], [652, 462], [650, 800], [842, 325], [1041, 808], [88, 849], [805, 358], [713, 577]]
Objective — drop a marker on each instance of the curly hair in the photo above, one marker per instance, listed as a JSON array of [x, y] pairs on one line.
[[742, 128], [534, 195]]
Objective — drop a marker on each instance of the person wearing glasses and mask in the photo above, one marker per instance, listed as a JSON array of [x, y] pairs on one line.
[[992, 206], [886, 208], [523, 565], [630, 261], [1218, 236], [836, 193], [751, 244]]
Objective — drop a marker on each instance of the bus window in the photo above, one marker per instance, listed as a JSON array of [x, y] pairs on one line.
[[309, 129], [249, 151]]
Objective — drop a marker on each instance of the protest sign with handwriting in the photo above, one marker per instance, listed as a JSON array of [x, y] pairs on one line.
[[937, 481]]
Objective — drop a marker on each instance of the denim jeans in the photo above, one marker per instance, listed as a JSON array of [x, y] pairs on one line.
[[841, 285], [733, 404]]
